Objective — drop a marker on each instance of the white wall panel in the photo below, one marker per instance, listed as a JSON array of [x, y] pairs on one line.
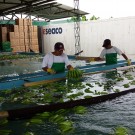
[[121, 31], [67, 37]]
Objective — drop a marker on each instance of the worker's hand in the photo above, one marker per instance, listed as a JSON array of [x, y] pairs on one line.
[[129, 62], [71, 68], [50, 71]]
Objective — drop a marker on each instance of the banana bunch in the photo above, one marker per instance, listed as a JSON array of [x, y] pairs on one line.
[[74, 74]]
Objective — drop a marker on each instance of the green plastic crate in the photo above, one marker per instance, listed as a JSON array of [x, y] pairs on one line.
[[8, 50], [6, 45]]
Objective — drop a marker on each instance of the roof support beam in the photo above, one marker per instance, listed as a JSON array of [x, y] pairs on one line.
[[47, 9]]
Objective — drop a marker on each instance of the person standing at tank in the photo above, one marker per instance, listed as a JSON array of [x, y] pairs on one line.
[[55, 62], [109, 53]]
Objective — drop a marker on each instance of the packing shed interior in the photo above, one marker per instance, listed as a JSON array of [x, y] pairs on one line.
[[16, 33]]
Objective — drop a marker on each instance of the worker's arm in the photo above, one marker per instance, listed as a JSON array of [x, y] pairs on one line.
[[45, 62], [98, 59], [126, 58], [45, 69]]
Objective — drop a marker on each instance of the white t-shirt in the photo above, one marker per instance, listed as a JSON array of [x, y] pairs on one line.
[[49, 59], [111, 50]]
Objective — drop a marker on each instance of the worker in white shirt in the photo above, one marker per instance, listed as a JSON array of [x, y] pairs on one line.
[[55, 62], [109, 53]]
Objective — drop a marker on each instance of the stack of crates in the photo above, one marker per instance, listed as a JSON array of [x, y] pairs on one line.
[[4, 44], [23, 36], [3, 33]]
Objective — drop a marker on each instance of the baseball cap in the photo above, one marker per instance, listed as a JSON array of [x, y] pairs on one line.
[[106, 42], [59, 46]]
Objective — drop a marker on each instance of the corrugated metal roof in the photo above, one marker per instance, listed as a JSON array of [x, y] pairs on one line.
[[49, 9]]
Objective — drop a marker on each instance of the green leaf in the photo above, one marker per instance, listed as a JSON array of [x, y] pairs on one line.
[[3, 121], [103, 92], [126, 85], [119, 79], [36, 121], [44, 115], [57, 118], [90, 85], [29, 133], [116, 90], [80, 109], [2, 99], [132, 82], [88, 90], [120, 130], [5, 132], [66, 126], [62, 111]]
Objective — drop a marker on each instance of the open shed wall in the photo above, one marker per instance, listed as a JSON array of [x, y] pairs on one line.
[[92, 34]]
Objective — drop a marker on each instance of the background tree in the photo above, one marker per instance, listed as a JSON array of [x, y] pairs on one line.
[[84, 18], [94, 18]]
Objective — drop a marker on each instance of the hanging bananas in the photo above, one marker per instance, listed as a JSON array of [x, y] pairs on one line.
[[75, 74]]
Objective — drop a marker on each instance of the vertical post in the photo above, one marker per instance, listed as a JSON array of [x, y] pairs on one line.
[[77, 27]]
